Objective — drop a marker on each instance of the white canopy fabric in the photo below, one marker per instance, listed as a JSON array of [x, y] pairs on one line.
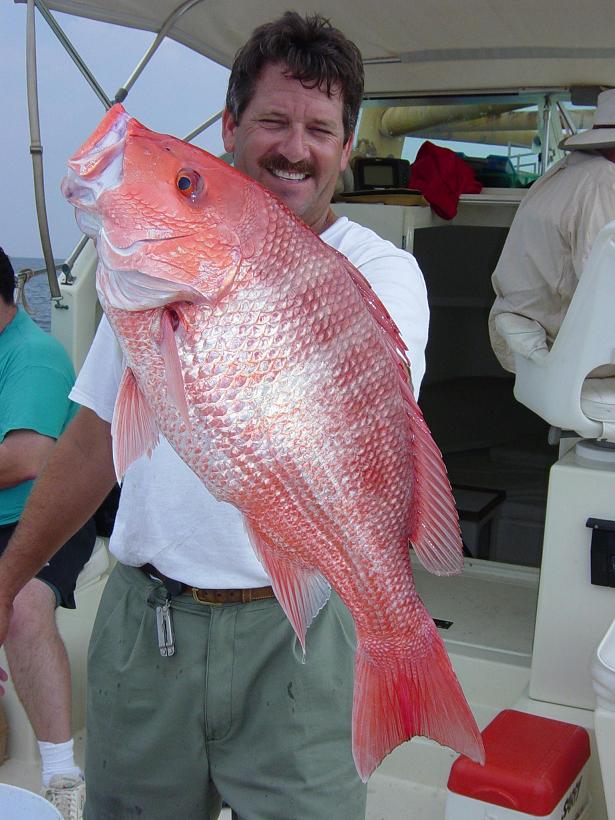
[[431, 45]]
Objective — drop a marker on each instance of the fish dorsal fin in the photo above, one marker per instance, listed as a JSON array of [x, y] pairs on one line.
[[434, 522], [133, 429], [169, 323], [380, 314], [301, 590]]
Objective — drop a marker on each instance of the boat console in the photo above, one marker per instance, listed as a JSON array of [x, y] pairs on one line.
[[572, 386]]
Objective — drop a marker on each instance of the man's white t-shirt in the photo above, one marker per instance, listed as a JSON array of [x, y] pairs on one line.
[[166, 515]]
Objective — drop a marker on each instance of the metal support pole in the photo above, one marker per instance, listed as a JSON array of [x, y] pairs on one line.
[[204, 126], [123, 90], [73, 54], [70, 260], [546, 134], [570, 123], [36, 150]]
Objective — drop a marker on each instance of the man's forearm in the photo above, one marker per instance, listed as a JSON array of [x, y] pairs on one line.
[[73, 483]]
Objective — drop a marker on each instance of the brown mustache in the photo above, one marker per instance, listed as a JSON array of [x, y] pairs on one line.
[[277, 162]]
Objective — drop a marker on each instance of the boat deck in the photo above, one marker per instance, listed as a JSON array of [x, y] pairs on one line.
[[492, 608]]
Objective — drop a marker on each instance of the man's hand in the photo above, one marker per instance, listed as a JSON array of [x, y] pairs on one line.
[[6, 612]]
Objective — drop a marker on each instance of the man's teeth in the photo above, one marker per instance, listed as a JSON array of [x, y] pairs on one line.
[[287, 174]]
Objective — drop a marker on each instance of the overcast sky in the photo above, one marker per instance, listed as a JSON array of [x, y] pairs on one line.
[[175, 93]]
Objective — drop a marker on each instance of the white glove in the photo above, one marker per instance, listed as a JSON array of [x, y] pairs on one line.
[[524, 336]]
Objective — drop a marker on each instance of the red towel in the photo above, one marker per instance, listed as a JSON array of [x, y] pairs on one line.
[[441, 176]]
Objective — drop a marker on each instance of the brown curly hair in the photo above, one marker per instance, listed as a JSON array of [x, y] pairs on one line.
[[313, 51]]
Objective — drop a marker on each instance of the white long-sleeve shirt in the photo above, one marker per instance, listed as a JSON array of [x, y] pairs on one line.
[[549, 243]]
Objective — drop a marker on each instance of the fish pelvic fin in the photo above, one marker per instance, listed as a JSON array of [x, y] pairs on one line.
[[399, 695], [170, 322], [301, 590], [133, 429]]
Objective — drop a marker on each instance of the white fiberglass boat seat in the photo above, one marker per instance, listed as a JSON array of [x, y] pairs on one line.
[[553, 383], [75, 626]]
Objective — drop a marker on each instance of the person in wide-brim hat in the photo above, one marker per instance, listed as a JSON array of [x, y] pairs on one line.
[[602, 134], [550, 240]]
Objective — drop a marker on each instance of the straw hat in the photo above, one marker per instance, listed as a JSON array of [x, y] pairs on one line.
[[602, 134]]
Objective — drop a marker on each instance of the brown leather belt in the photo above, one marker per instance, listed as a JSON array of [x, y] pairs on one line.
[[211, 596], [230, 596]]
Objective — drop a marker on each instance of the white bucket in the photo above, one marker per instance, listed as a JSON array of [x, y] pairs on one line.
[[20, 804]]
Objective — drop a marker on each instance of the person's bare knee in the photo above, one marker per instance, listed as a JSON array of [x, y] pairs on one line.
[[39, 664], [33, 614]]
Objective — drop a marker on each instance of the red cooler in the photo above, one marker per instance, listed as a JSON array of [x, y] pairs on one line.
[[535, 768]]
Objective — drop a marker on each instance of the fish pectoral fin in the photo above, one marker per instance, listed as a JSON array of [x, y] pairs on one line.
[[301, 590], [134, 430], [170, 322]]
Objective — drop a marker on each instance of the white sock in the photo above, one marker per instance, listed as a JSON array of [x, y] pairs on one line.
[[58, 758]]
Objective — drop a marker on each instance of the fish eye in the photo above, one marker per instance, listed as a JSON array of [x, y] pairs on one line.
[[189, 183]]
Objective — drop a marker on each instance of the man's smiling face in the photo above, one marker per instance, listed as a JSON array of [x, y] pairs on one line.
[[291, 139]]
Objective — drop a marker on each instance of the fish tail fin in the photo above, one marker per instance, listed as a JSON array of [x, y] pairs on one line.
[[402, 694]]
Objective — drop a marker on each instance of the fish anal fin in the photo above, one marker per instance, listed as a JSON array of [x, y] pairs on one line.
[[169, 324], [301, 591], [134, 430], [398, 696]]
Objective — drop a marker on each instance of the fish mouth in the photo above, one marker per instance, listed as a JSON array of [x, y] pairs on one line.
[[102, 149], [96, 167], [88, 223]]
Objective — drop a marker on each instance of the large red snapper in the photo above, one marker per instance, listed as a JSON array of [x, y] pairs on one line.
[[269, 364]]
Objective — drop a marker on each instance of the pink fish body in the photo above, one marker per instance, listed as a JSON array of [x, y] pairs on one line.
[[269, 364]]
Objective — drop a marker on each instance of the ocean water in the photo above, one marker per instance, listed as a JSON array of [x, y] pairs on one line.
[[37, 291]]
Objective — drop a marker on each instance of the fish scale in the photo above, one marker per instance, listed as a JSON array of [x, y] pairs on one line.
[[272, 368]]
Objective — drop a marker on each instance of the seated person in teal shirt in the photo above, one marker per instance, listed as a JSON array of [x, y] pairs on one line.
[[36, 377]]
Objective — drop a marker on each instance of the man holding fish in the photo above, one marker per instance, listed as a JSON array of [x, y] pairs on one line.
[[261, 413]]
